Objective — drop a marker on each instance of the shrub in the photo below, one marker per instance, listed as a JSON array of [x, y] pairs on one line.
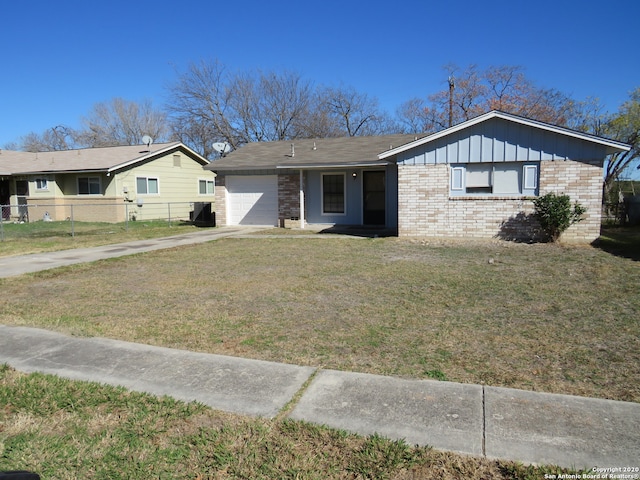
[[555, 214]]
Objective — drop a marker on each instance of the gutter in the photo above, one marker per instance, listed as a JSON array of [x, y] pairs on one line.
[[337, 165], [56, 172]]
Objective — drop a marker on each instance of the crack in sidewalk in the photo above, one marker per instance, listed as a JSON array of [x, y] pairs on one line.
[[484, 424], [295, 399]]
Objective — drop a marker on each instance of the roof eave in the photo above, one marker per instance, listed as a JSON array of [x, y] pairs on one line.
[[303, 166], [203, 161], [54, 172], [213, 168], [295, 166]]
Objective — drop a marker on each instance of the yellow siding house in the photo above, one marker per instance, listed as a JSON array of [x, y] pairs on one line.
[[105, 184]]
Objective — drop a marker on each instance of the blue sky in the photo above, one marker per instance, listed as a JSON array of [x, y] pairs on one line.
[[60, 58]]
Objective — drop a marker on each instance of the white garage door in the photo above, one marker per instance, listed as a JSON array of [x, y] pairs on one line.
[[252, 200]]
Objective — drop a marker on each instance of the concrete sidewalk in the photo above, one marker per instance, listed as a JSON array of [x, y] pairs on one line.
[[501, 423], [20, 264], [493, 422]]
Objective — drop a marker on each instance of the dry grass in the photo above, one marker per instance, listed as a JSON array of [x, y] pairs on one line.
[[68, 430], [538, 317], [38, 237]]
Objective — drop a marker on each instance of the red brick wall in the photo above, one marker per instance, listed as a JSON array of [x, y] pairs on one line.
[[289, 200]]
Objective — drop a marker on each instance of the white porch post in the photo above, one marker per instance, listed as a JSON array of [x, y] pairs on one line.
[[301, 200]]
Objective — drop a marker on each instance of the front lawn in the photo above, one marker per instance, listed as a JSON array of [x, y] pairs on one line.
[[71, 430], [39, 236], [538, 317]]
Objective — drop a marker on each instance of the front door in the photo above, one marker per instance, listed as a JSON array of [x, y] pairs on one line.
[[374, 198]]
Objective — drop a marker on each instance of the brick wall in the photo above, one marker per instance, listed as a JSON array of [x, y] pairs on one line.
[[583, 183], [426, 209], [289, 200], [221, 200]]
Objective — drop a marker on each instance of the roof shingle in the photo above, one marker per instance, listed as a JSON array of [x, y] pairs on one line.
[[310, 153], [87, 159]]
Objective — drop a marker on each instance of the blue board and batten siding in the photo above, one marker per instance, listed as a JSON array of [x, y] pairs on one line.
[[353, 214], [497, 140]]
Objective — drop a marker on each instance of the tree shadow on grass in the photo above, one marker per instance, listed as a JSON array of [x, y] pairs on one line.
[[616, 240], [620, 241]]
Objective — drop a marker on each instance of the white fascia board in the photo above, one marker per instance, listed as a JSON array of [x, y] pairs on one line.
[[513, 118], [156, 153]]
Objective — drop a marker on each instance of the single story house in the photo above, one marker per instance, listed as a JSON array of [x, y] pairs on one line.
[[475, 179], [104, 184]]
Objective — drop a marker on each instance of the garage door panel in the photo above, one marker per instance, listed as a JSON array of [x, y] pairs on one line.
[[252, 199]]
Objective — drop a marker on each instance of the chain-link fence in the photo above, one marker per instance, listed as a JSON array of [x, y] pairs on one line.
[[51, 219]]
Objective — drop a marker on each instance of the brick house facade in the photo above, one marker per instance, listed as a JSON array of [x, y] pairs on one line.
[[426, 208], [477, 179]]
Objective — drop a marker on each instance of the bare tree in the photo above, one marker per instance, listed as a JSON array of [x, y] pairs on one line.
[[351, 113], [122, 122], [413, 116], [286, 99], [459, 102], [589, 116], [237, 108], [199, 107], [194, 132], [625, 127], [52, 139], [504, 88], [268, 106]]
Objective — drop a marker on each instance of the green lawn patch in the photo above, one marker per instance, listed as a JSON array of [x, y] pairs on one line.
[[63, 429], [39, 236]]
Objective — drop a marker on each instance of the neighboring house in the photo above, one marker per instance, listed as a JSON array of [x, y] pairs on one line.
[[105, 184], [475, 179]]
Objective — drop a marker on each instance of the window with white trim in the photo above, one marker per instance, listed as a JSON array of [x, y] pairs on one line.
[[147, 186], [206, 187], [530, 174], [457, 179], [333, 189], [497, 179], [42, 184], [89, 186]]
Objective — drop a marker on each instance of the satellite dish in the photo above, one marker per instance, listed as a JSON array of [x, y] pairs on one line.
[[147, 140], [221, 147]]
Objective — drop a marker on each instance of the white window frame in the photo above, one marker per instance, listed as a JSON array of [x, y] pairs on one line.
[[528, 183], [89, 178], [206, 181], [457, 178], [42, 184], [146, 180], [529, 177], [344, 194]]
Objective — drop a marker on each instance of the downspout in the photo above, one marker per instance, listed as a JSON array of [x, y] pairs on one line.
[[301, 199]]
